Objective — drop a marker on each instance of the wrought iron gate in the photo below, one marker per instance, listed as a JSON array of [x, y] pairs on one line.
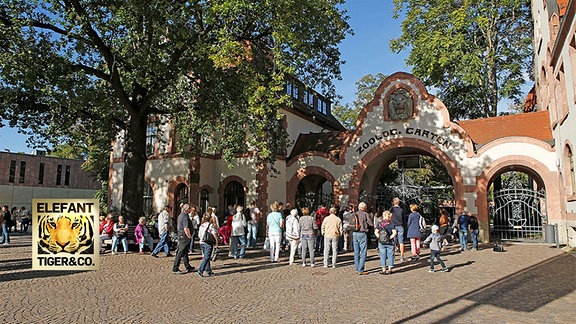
[[518, 214]]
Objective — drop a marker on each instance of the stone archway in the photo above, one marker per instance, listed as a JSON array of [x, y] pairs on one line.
[[361, 167], [536, 169], [307, 171]]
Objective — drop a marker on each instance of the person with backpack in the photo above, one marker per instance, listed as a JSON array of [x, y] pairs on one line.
[[462, 223], [360, 224], [474, 232], [386, 233], [293, 233]]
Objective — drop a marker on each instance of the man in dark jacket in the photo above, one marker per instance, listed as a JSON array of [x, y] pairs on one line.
[[474, 232], [184, 237], [397, 221], [463, 222]]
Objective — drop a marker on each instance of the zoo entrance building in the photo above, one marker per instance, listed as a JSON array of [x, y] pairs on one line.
[[331, 165]]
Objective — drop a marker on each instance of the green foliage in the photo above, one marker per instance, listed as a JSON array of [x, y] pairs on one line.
[[366, 87], [76, 71], [475, 52]]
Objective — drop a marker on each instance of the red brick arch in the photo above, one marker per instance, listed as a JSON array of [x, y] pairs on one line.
[[433, 150], [311, 170], [538, 171]]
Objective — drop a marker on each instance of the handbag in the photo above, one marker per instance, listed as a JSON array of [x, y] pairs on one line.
[[208, 237], [267, 244], [215, 253]]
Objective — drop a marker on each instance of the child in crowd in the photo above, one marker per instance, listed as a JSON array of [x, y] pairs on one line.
[[435, 242]]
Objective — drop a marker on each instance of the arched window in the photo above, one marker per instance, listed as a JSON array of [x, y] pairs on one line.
[[569, 171], [147, 199], [233, 195], [180, 197], [204, 200]]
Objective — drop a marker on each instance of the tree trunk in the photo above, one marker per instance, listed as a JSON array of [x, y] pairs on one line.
[[134, 166]]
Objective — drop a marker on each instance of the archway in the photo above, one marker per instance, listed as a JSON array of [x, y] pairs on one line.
[[312, 191], [234, 194], [368, 172], [517, 205]]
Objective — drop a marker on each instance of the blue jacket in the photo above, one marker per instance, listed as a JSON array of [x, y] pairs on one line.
[[413, 227], [463, 221]]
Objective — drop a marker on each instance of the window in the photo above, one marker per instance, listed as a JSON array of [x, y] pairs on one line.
[[59, 175], [12, 171], [292, 89], [67, 176], [561, 97], [572, 175], [41, 174], [22, 171], [204, 200], [147, 199], [151, 130], [322, 106], [309, 98]]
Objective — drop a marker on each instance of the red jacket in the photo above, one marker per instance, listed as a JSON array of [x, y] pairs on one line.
[[107, 228], [321, 213]]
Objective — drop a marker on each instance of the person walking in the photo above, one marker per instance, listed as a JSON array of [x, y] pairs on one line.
[[435, 240], [386, 247], [163, 231], [238, 234], [463, 223], [397, 221], [195, 219], [142, 235], [360, 225], [293, 233], [253, 223], [184, 228], [331, 230], [413, 231], [474, 230], [6, 219], [444, 224], [208, 224], [308, 230], [274, 225]]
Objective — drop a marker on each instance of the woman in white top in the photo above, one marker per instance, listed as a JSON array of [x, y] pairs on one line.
[[120, 233], [207, 225], [293, 233]]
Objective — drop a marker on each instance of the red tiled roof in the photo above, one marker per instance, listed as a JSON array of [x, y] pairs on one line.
[[534, 124], [328, 142]]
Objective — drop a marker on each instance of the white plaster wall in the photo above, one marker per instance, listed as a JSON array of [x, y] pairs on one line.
[[118, 145], [161, 172], [297, 126], [277, 184]]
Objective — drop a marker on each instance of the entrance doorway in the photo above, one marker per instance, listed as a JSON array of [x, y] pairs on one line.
[[415, 179], [312, 191], [233, 195], [517, 208]]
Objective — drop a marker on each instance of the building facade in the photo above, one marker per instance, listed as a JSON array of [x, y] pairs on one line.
[[330, 165], [555, 75], [27, 176]]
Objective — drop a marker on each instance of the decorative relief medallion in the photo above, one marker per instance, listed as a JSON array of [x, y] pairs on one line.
[[400, 104]]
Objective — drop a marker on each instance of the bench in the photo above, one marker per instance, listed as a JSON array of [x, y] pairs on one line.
[[131, 238]]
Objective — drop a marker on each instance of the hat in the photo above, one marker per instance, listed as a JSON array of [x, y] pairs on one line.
[[434, 228]]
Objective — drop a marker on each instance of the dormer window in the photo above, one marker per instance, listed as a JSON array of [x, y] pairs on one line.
[[292, 89]]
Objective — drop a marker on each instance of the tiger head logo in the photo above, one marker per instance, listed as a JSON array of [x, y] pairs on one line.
[[65, 233]]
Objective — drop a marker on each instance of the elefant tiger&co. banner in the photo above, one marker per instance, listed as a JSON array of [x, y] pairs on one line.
[[65, 234]]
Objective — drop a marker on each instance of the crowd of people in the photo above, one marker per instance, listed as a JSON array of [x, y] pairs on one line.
[[17, 220], [326, 232]]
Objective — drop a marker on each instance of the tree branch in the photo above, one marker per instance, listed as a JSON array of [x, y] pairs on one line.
[[91, 71]]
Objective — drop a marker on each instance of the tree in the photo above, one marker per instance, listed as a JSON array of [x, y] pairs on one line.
[[366, 87], [101, 68], [476, 52]]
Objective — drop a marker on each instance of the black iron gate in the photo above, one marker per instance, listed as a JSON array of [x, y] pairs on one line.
[[518, 214]]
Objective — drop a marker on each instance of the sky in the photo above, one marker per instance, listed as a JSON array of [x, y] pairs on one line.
[[365, 52]]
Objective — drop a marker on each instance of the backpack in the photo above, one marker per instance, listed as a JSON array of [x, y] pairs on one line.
[[384, 237], [354, 223]]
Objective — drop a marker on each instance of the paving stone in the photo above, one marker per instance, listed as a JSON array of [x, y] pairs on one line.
[[528, 283]]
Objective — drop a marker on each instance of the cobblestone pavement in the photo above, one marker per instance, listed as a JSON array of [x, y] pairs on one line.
[[526, 284]]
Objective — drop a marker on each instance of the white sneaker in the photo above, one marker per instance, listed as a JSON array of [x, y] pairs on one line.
[[303, 264], [325, 266], [312, 265], [333, 266]]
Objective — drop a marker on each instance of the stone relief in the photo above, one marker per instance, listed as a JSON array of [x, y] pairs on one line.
[[400, 105]]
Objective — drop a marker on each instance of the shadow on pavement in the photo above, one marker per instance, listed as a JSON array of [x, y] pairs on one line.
[[525, 290]]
